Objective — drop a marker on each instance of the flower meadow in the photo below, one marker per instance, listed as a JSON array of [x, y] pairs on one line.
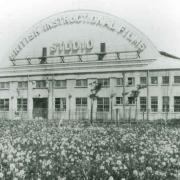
[[40, 150]]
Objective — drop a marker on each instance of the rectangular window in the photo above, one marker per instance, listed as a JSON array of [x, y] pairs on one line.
[[23, 84], [131, 81], [165, 80], [81, 104], [103, 104], [60, 104], [104, 82], [81, 83], [4, 104], [60, 83], [176, 103], [154, 80], [165, 103], [131, 100], [154, 103], [143, 104], [119, 81], [143, 80], [21, 104], [4, 85], [177, 79], [119, 100], [41, 84]]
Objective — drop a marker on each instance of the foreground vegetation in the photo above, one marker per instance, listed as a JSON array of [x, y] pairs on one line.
[[41, 150]]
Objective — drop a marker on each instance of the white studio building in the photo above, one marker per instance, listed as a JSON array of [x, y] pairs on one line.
[[56, 63]]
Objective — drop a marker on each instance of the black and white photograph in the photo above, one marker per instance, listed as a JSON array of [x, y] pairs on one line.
[[89, 90]]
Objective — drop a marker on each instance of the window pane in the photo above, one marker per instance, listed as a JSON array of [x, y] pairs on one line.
[[177, 104], [60, 83], [41, 84], [57, 83], [142, 104], [78, 82], [154, 104], [60, 104], [81, 104], [103, 104], [131, 100], [131, 81], [78, 101], [23, 84], [4, 85], [106, 100], [81, 83], [119, 100], [176, 79], [7, 84], [4, 104], [165, 80], [63, 83], [21, 104], [165, 107], [84, 83], [154, 80], [143, 80], [104, 82], [20, 84], [119, 81], [2, 101], [100, 81], [84, 101], [81, 101]]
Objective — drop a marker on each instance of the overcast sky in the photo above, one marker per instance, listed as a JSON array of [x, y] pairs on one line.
[[159, 20]]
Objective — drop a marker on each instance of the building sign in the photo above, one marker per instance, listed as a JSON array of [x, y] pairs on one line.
[[97, 20], [71, 47]]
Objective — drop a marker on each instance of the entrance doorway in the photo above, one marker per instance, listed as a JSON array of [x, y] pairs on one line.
[[40, 108]]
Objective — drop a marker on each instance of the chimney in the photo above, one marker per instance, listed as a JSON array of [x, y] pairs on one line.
[[103, 47], [44, 56], [102, 51]]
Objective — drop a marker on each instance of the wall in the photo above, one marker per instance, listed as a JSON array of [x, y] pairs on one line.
[[31, 92]]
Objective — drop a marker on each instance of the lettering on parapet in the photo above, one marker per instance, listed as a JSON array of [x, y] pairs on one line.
[[71, 47], [81, 18]]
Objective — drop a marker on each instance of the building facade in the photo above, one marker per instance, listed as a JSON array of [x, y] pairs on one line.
[[59, 62]]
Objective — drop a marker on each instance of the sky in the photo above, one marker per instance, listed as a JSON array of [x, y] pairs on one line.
[[159, 20]]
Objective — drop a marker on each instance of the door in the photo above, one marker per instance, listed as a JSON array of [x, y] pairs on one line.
[[40, 108]]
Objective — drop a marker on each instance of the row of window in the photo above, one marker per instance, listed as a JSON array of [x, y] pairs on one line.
[[154, 103], [57, 83], [153, 80], [82, 104], [21, 104], [104, 82], [103, 103], [60, 104], [165, 104]]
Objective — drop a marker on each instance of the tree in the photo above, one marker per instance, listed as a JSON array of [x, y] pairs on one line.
[[96, 87], [135, 94]]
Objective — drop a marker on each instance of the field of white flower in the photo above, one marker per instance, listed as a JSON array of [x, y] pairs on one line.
[[38, 150]]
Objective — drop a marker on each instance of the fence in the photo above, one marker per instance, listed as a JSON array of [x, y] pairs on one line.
[[113, 116]]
